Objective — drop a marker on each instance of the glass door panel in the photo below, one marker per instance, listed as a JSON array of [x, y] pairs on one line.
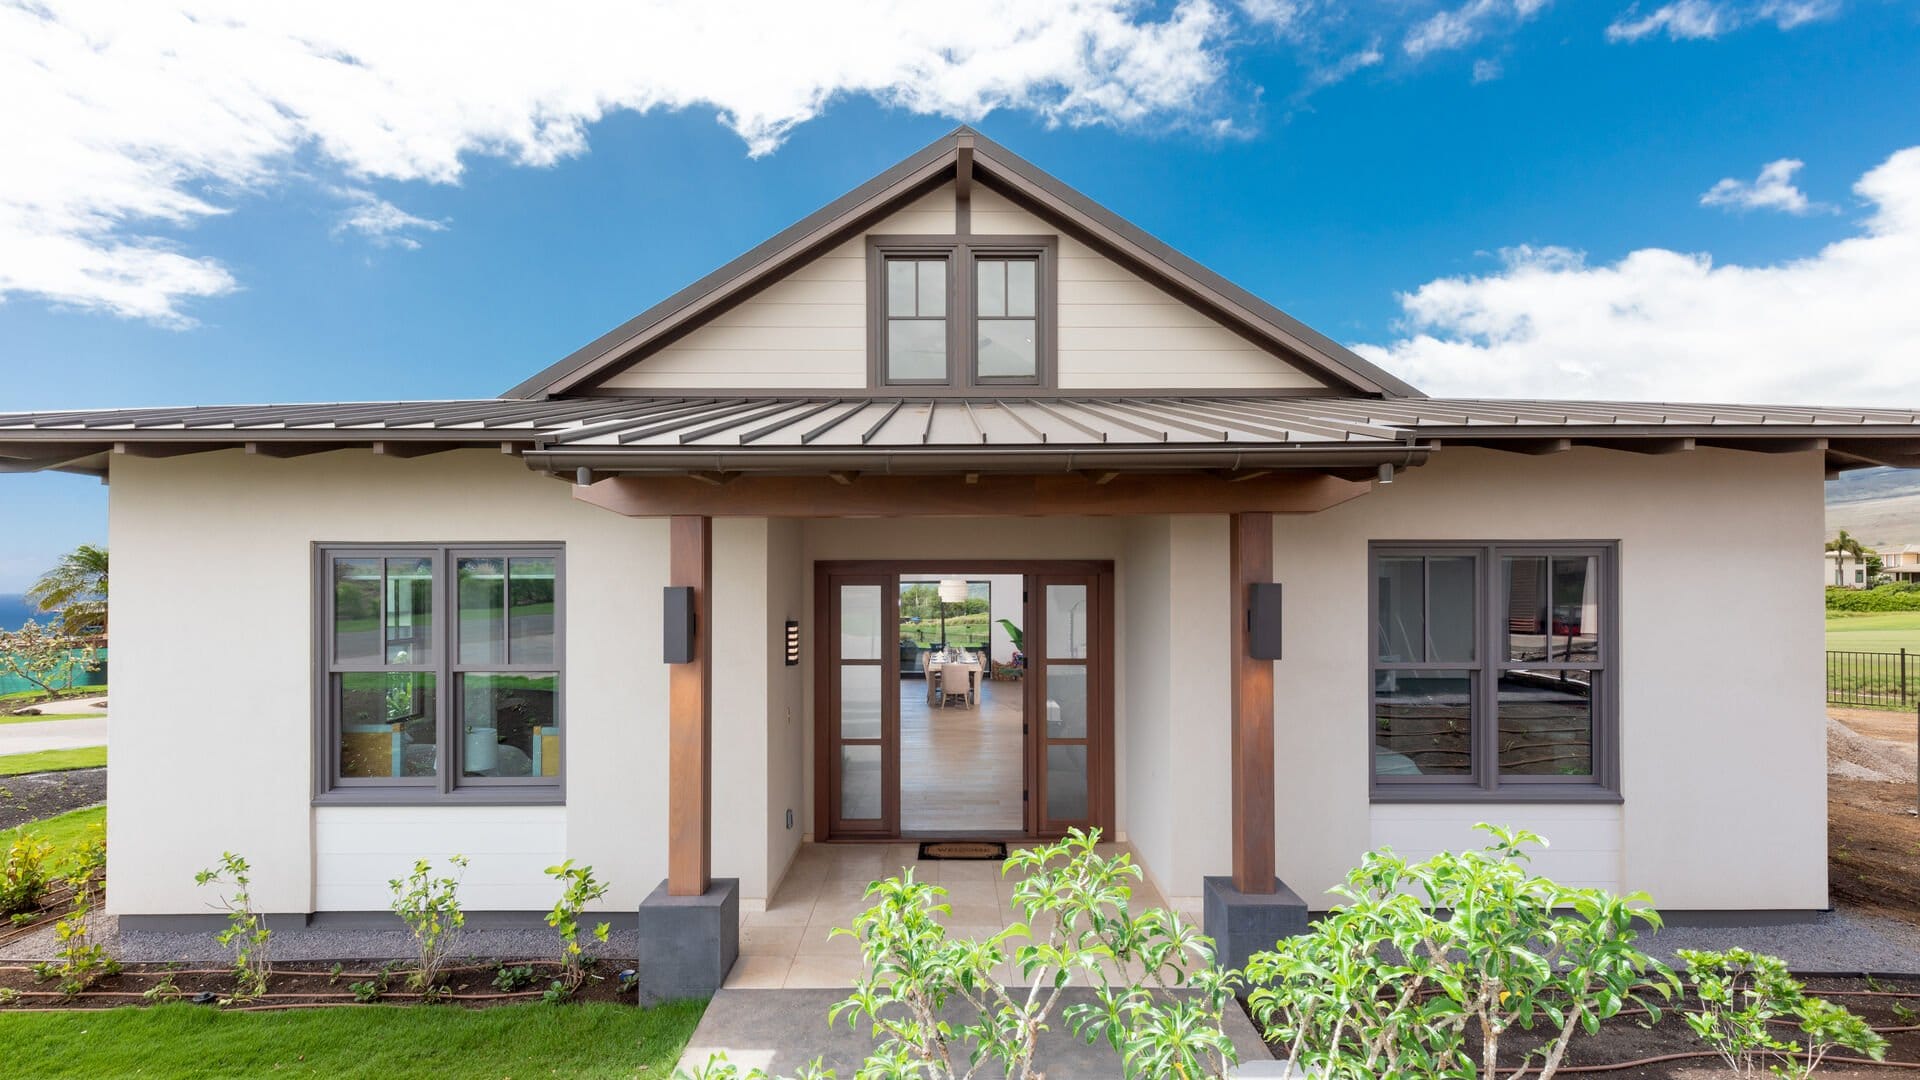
[[1069, 681], [862, 717]]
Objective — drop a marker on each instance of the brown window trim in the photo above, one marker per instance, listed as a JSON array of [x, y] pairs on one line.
[[962, 316], [445, 787], [1485, 785]]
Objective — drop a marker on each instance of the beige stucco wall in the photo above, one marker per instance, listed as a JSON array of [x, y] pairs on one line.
[[1723, 757], [212, 725], [808, 330]]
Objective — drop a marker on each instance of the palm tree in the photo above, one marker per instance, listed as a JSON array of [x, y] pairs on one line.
[[76, 588]]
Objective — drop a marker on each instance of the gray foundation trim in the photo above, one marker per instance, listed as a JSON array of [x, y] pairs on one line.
[[347, 920]]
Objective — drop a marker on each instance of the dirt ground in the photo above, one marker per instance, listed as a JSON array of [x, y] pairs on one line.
[[42, 795], [1873, 833]]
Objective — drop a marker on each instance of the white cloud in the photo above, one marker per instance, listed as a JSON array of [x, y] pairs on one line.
[[1486, 70], [1773, 189], [385, 224], [1456, 28], [1281, 16], [1343, 69], [130, 119], [1687, 20], [1838, 326]]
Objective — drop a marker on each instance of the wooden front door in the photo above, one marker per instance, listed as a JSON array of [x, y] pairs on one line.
[[1066, 693]]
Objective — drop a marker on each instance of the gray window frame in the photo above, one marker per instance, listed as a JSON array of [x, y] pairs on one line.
[[963, 317], [447, 786], [1485, 784]]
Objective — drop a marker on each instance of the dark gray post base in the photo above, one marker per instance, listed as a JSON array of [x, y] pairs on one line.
[[688, 943], [1242, 924]]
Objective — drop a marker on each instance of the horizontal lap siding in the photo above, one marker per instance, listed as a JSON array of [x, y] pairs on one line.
[[1583, 841], [359, 849], [1116, 330], [1120, 332], [806, 331]]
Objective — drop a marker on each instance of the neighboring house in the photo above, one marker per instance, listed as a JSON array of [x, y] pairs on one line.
[[451, 626], [1845, 570], [1900, 563]]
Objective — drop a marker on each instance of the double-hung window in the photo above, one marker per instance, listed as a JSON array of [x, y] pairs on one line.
[[1493, 671], [958, 312], [440, 673]]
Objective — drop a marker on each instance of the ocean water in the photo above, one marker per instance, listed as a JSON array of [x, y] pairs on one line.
[[15, 611]]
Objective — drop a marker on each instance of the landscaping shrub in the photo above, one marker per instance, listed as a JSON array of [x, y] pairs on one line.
[[246, 933], [1741, 993], [580, 890], [430, 907], [1900, 596], [23, 878], [1391, 982], [82, 960]]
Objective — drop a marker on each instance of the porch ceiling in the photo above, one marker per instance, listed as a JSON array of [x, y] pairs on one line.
[[823, 431]]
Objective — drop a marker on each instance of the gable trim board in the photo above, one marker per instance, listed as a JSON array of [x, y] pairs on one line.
[[991, 167]]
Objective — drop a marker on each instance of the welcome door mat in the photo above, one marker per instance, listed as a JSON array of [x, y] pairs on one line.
[[982, 850]]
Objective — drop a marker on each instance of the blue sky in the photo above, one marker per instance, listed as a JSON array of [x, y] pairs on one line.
[[1463, 179]]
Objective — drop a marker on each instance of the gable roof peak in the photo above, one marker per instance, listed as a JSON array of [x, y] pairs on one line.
[[1045, 195]]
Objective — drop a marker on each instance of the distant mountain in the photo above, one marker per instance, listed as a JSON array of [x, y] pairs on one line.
[[1880, 506], [15, 611]]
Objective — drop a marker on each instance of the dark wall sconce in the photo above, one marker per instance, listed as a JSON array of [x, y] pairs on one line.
[[1263, 621], [793, 643], [677, 636]]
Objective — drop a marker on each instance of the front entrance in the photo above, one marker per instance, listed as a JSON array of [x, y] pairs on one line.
[[963, 698]]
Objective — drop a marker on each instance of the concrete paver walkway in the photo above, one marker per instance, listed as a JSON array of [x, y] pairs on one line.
[[782, 1030], [53, 735]]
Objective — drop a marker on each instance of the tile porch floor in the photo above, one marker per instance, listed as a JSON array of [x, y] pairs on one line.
[[787, 946]]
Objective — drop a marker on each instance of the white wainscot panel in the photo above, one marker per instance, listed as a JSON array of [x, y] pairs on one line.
[[359, 849], [1584, 839]]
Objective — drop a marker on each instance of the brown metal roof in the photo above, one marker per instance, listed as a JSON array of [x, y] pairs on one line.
[[796, 431]]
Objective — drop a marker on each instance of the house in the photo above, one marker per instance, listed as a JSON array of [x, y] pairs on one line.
[[1900, 563], [1277, 607], [1845, 570]]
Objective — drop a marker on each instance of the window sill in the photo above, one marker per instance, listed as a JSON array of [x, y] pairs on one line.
[[1541, 793], [373, 796]]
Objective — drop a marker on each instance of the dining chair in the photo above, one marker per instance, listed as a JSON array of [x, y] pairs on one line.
[[956, 681]]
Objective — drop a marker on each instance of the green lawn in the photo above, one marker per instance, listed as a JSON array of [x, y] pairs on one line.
[[32, 697], [65, 833], [48, 716], [379, 1042], [1877, 631], [86, 757]]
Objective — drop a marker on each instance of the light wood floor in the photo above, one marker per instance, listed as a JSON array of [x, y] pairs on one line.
[[961, 769]]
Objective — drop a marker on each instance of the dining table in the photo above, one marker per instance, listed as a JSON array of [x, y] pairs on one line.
[[973, 662]]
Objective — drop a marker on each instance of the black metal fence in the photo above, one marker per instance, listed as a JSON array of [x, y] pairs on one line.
[[1874, 680]]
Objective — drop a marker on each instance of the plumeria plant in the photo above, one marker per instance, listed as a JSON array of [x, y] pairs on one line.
[[580, 889], [1425, 956]]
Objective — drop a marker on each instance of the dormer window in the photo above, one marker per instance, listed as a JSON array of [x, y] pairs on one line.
[[916, 333], [960, 312]]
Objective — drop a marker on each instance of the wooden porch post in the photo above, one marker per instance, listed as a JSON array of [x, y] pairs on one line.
[[1251, 555], [690, 716]]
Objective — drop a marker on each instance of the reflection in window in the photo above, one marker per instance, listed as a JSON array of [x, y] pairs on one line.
[[387, 722], [1553, 610], [1423, 723], [1427, 607], [1546, 723], [509, 725]]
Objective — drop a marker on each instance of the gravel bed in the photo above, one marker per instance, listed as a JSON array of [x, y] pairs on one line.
[[1836, 942], [322, 943], [32, 796]]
